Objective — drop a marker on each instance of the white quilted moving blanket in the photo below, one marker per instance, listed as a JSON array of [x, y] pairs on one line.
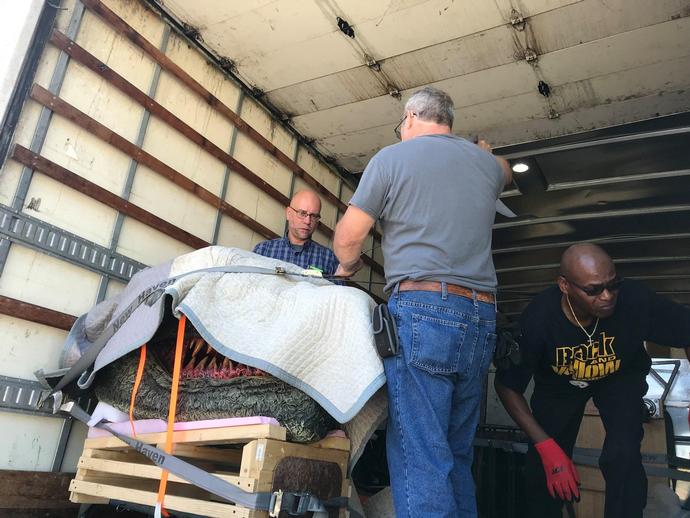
[[306, 331], [310, 333]]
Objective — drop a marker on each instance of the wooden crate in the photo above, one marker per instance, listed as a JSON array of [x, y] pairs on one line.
[[255, 457]]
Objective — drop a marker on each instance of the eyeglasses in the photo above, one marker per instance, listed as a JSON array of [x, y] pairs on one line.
[[596, 290], [303, 214], [397, 128]]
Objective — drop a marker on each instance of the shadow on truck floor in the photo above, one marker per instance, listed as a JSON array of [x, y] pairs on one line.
[[498, 475]]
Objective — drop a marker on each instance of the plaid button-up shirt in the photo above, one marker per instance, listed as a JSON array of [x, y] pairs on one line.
[[311, 254]]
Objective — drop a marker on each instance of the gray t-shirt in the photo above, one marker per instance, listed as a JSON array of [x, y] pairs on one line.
[[435, 197]]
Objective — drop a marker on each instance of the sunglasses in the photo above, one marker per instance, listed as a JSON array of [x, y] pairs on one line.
[[596, 290]]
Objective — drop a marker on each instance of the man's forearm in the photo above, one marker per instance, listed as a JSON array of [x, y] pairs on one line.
[[348, 254], [517, 407], [350, 234], [350, 259]]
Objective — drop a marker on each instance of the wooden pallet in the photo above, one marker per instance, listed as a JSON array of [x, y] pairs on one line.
[[256, 458]]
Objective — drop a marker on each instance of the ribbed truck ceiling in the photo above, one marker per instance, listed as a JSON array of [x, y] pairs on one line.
[[605, 62]]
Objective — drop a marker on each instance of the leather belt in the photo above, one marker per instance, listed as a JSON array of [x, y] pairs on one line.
[[452, 288]]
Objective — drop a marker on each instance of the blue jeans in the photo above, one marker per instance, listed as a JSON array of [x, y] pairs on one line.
[[435, 385]]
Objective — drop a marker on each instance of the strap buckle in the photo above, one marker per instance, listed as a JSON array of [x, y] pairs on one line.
[[275, 504], [295, 504]]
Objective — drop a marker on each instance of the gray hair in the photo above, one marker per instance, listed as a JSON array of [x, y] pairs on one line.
[[432, 104]]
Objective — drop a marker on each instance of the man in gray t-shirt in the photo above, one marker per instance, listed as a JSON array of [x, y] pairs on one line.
[[435, 197]]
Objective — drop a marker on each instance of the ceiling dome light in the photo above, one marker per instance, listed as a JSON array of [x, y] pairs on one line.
[[520, 167]]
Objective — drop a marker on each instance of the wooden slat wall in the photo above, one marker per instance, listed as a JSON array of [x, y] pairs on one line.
[[32, 312], [104, 31], [93, 191], [60, 107], [79, 54], [170, 66]]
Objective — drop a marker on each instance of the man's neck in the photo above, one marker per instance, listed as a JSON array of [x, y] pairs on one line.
[[424, 128], [574, 315], [297, 242]]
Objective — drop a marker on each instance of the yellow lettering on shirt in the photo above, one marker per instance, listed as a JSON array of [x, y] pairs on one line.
[[586, 362]]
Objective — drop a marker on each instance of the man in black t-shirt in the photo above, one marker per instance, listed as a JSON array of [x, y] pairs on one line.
[[579, 340]]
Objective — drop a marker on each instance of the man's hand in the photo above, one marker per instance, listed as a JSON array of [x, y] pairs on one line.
[[484, 145], [349, 270], [507, 171], [561, 476]]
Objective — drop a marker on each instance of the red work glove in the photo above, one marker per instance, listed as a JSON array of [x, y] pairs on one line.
[[561, 476]]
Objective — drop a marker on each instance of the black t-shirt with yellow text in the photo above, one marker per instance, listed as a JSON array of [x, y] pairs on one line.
[[558, 353]]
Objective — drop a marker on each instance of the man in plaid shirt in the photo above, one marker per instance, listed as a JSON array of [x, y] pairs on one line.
[[297, 247]]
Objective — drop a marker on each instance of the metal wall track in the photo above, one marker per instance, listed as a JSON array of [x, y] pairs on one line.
[[20, 394], [21, 228]]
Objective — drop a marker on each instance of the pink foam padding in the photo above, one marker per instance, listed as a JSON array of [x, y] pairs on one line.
[[336, 433], [158, 425]]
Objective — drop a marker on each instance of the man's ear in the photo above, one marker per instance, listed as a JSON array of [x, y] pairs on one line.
[[408, 119], [562, 284]]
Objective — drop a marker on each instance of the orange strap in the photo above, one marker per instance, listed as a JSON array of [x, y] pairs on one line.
[[135, 389], [177, 368]]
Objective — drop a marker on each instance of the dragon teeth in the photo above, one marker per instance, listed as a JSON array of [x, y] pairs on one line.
[[198, 344], [202, 357], [190, 364]]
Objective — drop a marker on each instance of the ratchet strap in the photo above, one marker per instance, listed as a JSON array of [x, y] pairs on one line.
[[135, 388], [172, 410]]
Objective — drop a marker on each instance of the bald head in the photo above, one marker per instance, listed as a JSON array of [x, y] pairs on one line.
[[303, 216], [306, 197], [587, 281], [584, 258]]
